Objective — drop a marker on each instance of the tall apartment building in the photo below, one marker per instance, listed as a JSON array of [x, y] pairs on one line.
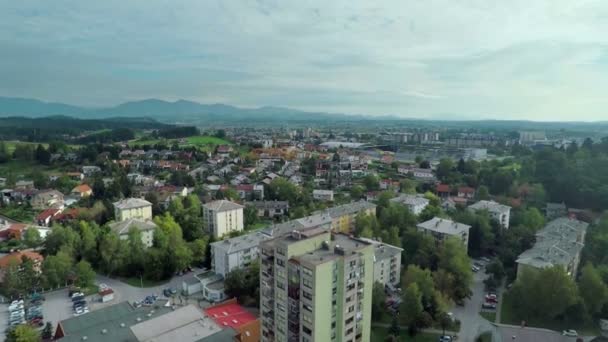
[[315, 286]]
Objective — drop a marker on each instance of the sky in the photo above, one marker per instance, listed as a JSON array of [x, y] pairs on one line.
[[435, 59]]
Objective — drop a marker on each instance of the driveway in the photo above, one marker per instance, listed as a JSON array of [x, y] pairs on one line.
[[510, 333], [471, 323]]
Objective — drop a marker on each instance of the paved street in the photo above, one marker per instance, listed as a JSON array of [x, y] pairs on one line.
[[471, 323], [507, 333]]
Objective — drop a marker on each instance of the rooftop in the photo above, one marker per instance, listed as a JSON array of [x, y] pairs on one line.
[[383, 251], [558, 243], [444, 226], [490, 206], [230, 314], [123, 227], [346, 209], [186, 324], [130, 203], [222, 205], [410, 200], [242, 242], [268, 204], [338, 246]]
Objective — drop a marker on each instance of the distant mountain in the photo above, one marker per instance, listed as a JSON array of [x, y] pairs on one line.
[[180, 110]]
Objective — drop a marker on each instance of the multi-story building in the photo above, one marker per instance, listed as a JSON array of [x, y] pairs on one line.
[[132, 208], [315, 286], [146, 228], [387, 263], [223, 217], [559, 243], [441, 229], [323, 195], [415, 203], [499, 212], [343, 216]]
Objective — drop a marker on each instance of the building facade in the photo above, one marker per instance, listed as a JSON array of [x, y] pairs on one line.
[[315, 286], [440, 229], [415, 203], [129, 208], [497, 211], [223, 217]]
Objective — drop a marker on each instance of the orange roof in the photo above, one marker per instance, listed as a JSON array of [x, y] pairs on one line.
[[82, 188], [16, 257], [249, 332]]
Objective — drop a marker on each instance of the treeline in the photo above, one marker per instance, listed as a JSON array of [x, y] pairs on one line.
[[110, 136], [176, 132], [59, 127]]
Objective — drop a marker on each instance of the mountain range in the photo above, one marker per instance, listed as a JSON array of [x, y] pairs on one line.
[[180, 110]]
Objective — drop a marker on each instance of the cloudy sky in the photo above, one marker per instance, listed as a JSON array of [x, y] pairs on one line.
[[450, 59]]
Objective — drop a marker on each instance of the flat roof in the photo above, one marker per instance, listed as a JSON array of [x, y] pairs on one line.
[[339, 245], [186, 324], [444, 226], [230, 315], [129, 203], [490, 206], [222, 205]]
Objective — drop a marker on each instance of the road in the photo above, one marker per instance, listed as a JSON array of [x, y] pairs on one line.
[[471, 323]]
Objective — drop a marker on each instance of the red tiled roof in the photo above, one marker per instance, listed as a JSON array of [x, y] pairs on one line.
[[16, 257], [230, 314], [244, 187], [46, 214], [443, 188], [466, 190], [82, 188]]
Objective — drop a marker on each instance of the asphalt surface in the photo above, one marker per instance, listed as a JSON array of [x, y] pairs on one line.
[[471, 323]]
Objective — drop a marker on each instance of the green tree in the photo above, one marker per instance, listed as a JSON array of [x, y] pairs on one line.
[[378, 301], [88, 241], [23, 333], [411, 306], [48, 331], [113, 253], [85, 274], [483, 193], [593, 290], [407, 186], [250, 216], [56, 269], [453, 259], [422, 278], [32, 238], [199, 248], [59, 237], [137, 251], [357, 192], [371, 182]]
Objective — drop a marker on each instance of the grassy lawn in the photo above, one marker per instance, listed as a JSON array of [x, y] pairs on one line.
[[509, 316], [490, 316], [206, 140], [380, 334], [135, 281]]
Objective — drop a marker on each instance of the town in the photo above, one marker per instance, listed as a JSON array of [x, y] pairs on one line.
[[314, 233]]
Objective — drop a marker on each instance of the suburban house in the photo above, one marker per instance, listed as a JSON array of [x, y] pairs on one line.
[[499, 212], [559, 243], [16, 258], [443, 190], [466, 192], [146, 227], [418, 173], [323, 195], [82, 191], [223, 217], [45, 199], [45, 217], [440, 229], [415, 203], [132, 208], [270, 209], [250, 192], [24, 184]]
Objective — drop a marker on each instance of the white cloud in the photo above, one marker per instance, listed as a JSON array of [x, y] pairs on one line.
[[540, 59]]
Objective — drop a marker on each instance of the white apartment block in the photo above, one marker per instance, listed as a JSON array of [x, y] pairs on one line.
[[223, 217], [499, 212]]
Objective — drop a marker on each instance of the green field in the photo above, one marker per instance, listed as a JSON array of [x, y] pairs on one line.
[[206, 140], [380, 334], [490, 316], [11, 144]]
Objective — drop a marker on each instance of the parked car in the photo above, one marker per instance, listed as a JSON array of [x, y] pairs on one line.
[[168, 292], [570, 333], [445, 338], [81, 311], [485, 259], [475, 268]]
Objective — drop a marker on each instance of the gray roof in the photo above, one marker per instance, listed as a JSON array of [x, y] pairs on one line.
[[346, 209], [222, 205], [558, 243], [444, 226], [383, 251], [123, 227], [490, 206], [337, 247], [130, 203], [241, 242], [186, 324], [410, 200]]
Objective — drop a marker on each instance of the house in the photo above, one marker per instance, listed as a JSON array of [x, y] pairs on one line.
[[24, 185], [90, 170], [559, 243], [208, 283], [44, 199], [250, 191], [466, 192], [132, 208], [45, 218], [417, 173], [146, 227], [223, 217], [415, 203], [500, 212], [443, 190], [270, 209], [440, 229], [323, 195], [82, 191], [224, 151], [77, 176], [16, 258]]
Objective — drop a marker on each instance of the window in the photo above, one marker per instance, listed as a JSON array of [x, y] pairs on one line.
[[306, 295], [306, 330], [307, 307]]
